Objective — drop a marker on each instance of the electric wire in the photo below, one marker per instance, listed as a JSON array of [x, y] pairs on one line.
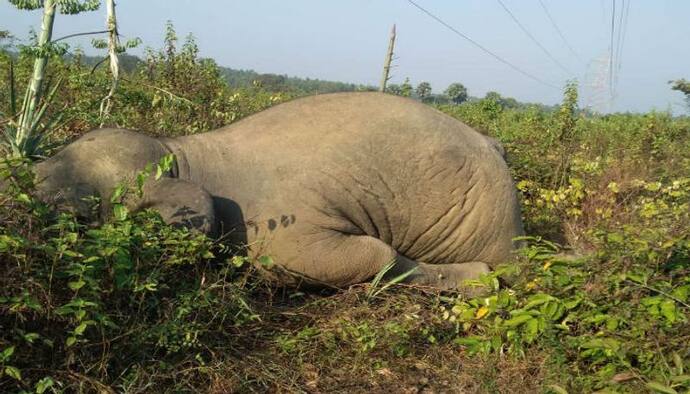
[[617, 51], [478, 45], [527, 32], [558, 30], [613, 28], [624, 27]]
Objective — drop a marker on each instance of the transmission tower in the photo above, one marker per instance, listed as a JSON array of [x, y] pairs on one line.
[[597, 80]]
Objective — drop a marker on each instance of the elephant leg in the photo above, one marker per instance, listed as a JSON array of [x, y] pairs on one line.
[[181, 203], [345, 259]]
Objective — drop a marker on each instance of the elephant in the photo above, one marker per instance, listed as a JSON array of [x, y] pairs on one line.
[[332, 187]]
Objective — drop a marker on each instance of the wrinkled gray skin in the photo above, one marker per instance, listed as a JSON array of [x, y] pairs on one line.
[[332, 187]]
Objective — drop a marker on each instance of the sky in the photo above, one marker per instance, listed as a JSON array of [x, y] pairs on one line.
[[346, 41]]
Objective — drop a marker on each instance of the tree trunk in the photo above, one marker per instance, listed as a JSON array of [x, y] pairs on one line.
[[113, 44], [40, 63], [387, 63]]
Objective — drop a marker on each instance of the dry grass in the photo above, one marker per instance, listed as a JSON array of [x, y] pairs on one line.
[[332, 359]]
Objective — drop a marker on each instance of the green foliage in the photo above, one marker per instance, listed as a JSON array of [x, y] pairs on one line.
[[376, 288], [30, 142], [615, 309], [682, 86], [406, 88], [67, 287], [151, 96], [457, 93], [69, 7], [423, 90], [602, 319]]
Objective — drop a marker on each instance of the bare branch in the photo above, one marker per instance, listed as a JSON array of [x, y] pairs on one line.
[[81, 34]]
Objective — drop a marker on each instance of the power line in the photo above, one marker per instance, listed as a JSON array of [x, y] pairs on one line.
[[558, 30], [624, 27], [524, 29], [620, 29], [617, 52], [613, 28], [475, 43]]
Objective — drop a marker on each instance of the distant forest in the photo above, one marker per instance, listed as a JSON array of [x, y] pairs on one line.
[[298, 86], [251, 78]]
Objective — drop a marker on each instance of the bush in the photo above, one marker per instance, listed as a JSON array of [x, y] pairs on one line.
[[75, 299]]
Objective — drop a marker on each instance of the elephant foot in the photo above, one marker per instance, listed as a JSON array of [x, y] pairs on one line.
[[459, 277]]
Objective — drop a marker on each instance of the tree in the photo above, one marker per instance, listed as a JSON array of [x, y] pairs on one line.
[[456, 92], [272, 82], [406, 88], [113, 50], [682, 86], [493, 96], [25, 136], [423, 90], [394, 89], [5, 36]]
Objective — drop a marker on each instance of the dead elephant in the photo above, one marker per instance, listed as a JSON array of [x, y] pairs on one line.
[[332, 187]]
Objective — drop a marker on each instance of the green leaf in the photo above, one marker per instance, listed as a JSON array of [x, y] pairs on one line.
[[681, 379], [165, 164], [391, 282], [660, 388], [79, 330], [120, 212], [668, 310], [70, 341], [531, 327], [23, 198], [682, 292], [142, 176], [557, 389], [13, 372], [44, 384], [538, 299], [76, 285], [517, 320], [265, 261], [469, 341], [31, 337], [238, 261], [118, 193], [615, 238], [637, 278], [6, 354]]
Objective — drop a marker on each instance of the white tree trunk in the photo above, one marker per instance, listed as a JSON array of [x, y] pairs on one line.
[[113, 45], [36, 84]]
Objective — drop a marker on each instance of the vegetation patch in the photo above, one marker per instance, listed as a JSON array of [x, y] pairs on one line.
[[599, 300]]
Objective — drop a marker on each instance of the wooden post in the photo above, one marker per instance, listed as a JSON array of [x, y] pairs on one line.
[[389, 59]]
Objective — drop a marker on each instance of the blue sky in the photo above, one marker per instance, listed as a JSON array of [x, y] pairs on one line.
[[346, 41]]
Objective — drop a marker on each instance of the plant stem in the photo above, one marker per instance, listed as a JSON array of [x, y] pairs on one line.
[[669, 296], [39, 72]]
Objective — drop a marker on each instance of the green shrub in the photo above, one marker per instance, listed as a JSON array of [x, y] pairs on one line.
[[73, 297]]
